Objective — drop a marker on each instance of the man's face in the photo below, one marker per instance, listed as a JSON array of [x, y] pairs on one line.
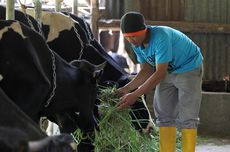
[[136, 40]]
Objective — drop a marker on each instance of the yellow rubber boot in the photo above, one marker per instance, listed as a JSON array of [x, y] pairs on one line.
[[189, 140], [167, 139]]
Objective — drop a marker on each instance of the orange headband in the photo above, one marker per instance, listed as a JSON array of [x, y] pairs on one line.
[[135, 33]]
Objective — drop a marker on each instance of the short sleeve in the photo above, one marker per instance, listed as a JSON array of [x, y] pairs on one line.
[[163, 48], [140, 58]]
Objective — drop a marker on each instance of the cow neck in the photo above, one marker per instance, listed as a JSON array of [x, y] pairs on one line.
[[78, 36]]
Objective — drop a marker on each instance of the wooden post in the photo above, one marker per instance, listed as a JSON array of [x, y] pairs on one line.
[[10, 14], [75, 7], [58, 5], [95, 17], [37, 9]]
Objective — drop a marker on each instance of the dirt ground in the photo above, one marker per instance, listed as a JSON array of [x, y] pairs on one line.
[[211, 144]]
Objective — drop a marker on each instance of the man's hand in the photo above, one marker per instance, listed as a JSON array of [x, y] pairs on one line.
[[127, 100], [121, 91]]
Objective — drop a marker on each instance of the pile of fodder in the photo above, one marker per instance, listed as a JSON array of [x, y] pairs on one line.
[[116, 132]]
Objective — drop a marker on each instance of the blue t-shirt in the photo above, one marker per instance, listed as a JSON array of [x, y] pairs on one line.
[[169, 45]]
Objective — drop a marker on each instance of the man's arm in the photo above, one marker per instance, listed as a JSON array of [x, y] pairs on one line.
[[130, 98], [153, 80], [145, 72]]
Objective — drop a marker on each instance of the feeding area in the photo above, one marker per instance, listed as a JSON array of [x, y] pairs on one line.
[[58, 59], [116, 131]]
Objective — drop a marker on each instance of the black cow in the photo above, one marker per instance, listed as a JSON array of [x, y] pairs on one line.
[[65, 39], [62, 38], [41, 83], [69, 48], [15, 140], [19, 132], [67, 44]]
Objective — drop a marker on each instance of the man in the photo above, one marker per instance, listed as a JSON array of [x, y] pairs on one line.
[[177, 77]]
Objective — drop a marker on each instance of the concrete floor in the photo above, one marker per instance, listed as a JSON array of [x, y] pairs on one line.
[[213, 144]]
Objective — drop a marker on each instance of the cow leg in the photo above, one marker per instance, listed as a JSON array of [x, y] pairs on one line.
[[87, 129]]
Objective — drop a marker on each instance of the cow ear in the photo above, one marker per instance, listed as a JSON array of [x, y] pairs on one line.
[[100, 66], [98, 69], [84, 65]]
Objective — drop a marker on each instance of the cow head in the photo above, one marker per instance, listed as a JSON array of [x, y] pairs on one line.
[[60, 143], [14, 139], [85, 65]]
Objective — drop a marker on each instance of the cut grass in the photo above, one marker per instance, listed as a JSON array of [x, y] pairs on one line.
[[116, 132]]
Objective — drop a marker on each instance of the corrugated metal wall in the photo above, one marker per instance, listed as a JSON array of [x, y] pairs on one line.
[[163, 10], [215, 47]]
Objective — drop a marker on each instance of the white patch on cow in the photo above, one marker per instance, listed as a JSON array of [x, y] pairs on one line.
[[57, 22], [52, 129], [1, 77], [15, 26]]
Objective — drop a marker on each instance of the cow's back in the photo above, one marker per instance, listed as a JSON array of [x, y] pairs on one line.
[[25, 77]]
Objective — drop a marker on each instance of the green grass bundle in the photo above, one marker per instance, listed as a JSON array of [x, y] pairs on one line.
[[116, 133]]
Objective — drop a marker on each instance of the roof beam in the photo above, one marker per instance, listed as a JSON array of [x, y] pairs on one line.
[[187, 27]]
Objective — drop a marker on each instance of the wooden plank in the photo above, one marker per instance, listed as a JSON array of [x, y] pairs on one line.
[[75, 7], [10, 14], [190, 27], [58, 5], [38, 10], [95, 16]]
